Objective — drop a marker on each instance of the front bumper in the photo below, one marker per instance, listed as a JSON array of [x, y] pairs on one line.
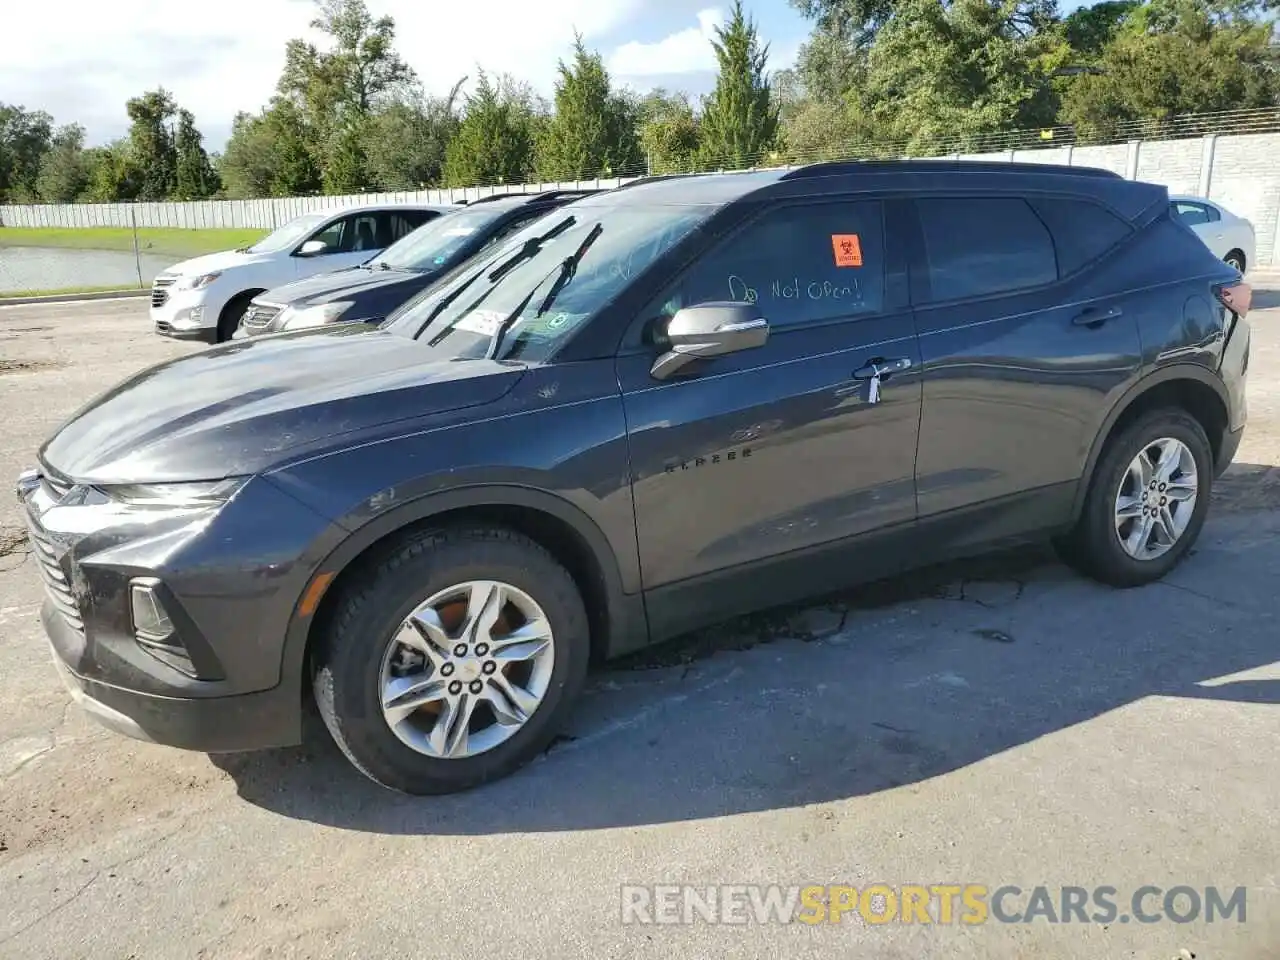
[[229, 585], [184, 314], [256, 721]]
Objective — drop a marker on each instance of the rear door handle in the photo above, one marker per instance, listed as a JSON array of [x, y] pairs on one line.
[[1096, 316]]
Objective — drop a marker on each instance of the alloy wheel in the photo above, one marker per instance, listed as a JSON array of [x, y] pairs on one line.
[[467, 669], [1156, 499]]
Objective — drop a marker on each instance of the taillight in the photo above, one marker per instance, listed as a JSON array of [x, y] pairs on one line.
[[1236, 297]]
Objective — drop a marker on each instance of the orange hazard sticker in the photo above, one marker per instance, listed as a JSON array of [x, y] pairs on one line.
[[848, 249]]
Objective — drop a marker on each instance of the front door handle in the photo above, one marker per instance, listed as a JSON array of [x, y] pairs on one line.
[[877, 370], [880, 368], [1096, 316]]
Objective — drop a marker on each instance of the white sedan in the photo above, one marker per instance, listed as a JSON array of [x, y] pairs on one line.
[[1230, 237], [204, 298]]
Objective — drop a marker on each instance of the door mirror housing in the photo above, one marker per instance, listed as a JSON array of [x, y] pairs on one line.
[[313, 248], [709, 330]]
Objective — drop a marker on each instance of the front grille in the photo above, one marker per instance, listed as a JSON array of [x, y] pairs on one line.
[[55, 581], [259, 315], [159, 290]]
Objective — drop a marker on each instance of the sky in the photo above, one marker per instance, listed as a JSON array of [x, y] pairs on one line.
[[82, 65]]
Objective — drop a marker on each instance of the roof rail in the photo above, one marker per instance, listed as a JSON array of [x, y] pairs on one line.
[[834, 167], [653, 178], [557, 194], [498, 196]]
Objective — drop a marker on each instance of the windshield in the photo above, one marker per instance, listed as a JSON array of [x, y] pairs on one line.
[[436, 243], [288, 236], [545, 283]]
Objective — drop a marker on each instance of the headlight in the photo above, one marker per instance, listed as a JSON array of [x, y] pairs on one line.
[[317, 316], [196, 283], [188, 494]]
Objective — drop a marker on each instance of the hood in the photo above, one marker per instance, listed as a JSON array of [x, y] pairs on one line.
[[247, 406], [340, 285], [213, 262]]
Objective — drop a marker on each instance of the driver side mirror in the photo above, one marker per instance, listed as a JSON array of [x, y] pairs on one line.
[[709, 330], [313, 248]]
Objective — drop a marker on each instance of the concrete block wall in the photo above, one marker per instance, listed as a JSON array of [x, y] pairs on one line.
[[1239, 171]]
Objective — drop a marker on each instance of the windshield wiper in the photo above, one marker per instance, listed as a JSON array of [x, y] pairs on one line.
[[568, 267], [527, 250]]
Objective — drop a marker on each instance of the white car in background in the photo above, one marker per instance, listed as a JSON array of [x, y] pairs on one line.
[[1230, 237], [204, 298]]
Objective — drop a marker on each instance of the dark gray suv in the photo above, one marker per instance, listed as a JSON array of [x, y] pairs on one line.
[[659, 407]]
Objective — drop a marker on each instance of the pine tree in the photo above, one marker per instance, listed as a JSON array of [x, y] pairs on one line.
[[593, 131], [739, 117], [494, 142], [195, 178]]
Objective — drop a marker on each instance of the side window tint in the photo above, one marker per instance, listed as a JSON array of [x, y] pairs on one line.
[[1213, 213], [982, 246], [363, 235], [1191, 213], [1082, 231], [332, 235], [801, 264]]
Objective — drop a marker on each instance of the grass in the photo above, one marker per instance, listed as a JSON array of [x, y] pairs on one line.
[[162, 241], [69, 290]]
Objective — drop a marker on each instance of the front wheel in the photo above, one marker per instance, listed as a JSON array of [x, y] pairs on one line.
[[1146, 502], [453, 662]]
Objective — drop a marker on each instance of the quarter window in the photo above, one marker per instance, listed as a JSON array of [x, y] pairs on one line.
[[1082, 231], [982, 246], [800, 264]]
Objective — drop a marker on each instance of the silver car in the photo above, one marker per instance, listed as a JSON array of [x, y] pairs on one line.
[[1230, 237]]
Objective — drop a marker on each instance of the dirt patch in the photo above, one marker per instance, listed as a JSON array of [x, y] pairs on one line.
[[28, 366], [12, 540]]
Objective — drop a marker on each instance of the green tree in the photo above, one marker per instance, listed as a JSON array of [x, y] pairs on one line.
[[64, 169], [495, 140], [151, 143], [269, 155], [334, 91], [739, 117], [113, 174], [25, 138], [1174, 57], [346, 165], [194, 178], [669, 132], [405, 141], [938, 78], [593, 130]]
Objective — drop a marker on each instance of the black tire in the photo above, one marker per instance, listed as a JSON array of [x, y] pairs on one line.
[[1093, 546], [229, 319], [348, 658], [1236, 259]]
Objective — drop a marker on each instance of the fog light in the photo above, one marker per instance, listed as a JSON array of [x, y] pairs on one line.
[[151, 623]]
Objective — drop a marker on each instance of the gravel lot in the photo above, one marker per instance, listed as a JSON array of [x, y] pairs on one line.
[[1019, 727]]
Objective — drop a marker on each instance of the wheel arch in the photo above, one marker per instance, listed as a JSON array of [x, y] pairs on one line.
[[244, 296], [617, 620], [1190, 387]]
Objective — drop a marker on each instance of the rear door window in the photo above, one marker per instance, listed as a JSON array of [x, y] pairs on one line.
[[1193, 214], [979, 246], [1082, 231]]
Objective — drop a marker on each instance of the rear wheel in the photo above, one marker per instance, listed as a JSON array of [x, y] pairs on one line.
[[1236, 259], [453, 662], [1146, 501]]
